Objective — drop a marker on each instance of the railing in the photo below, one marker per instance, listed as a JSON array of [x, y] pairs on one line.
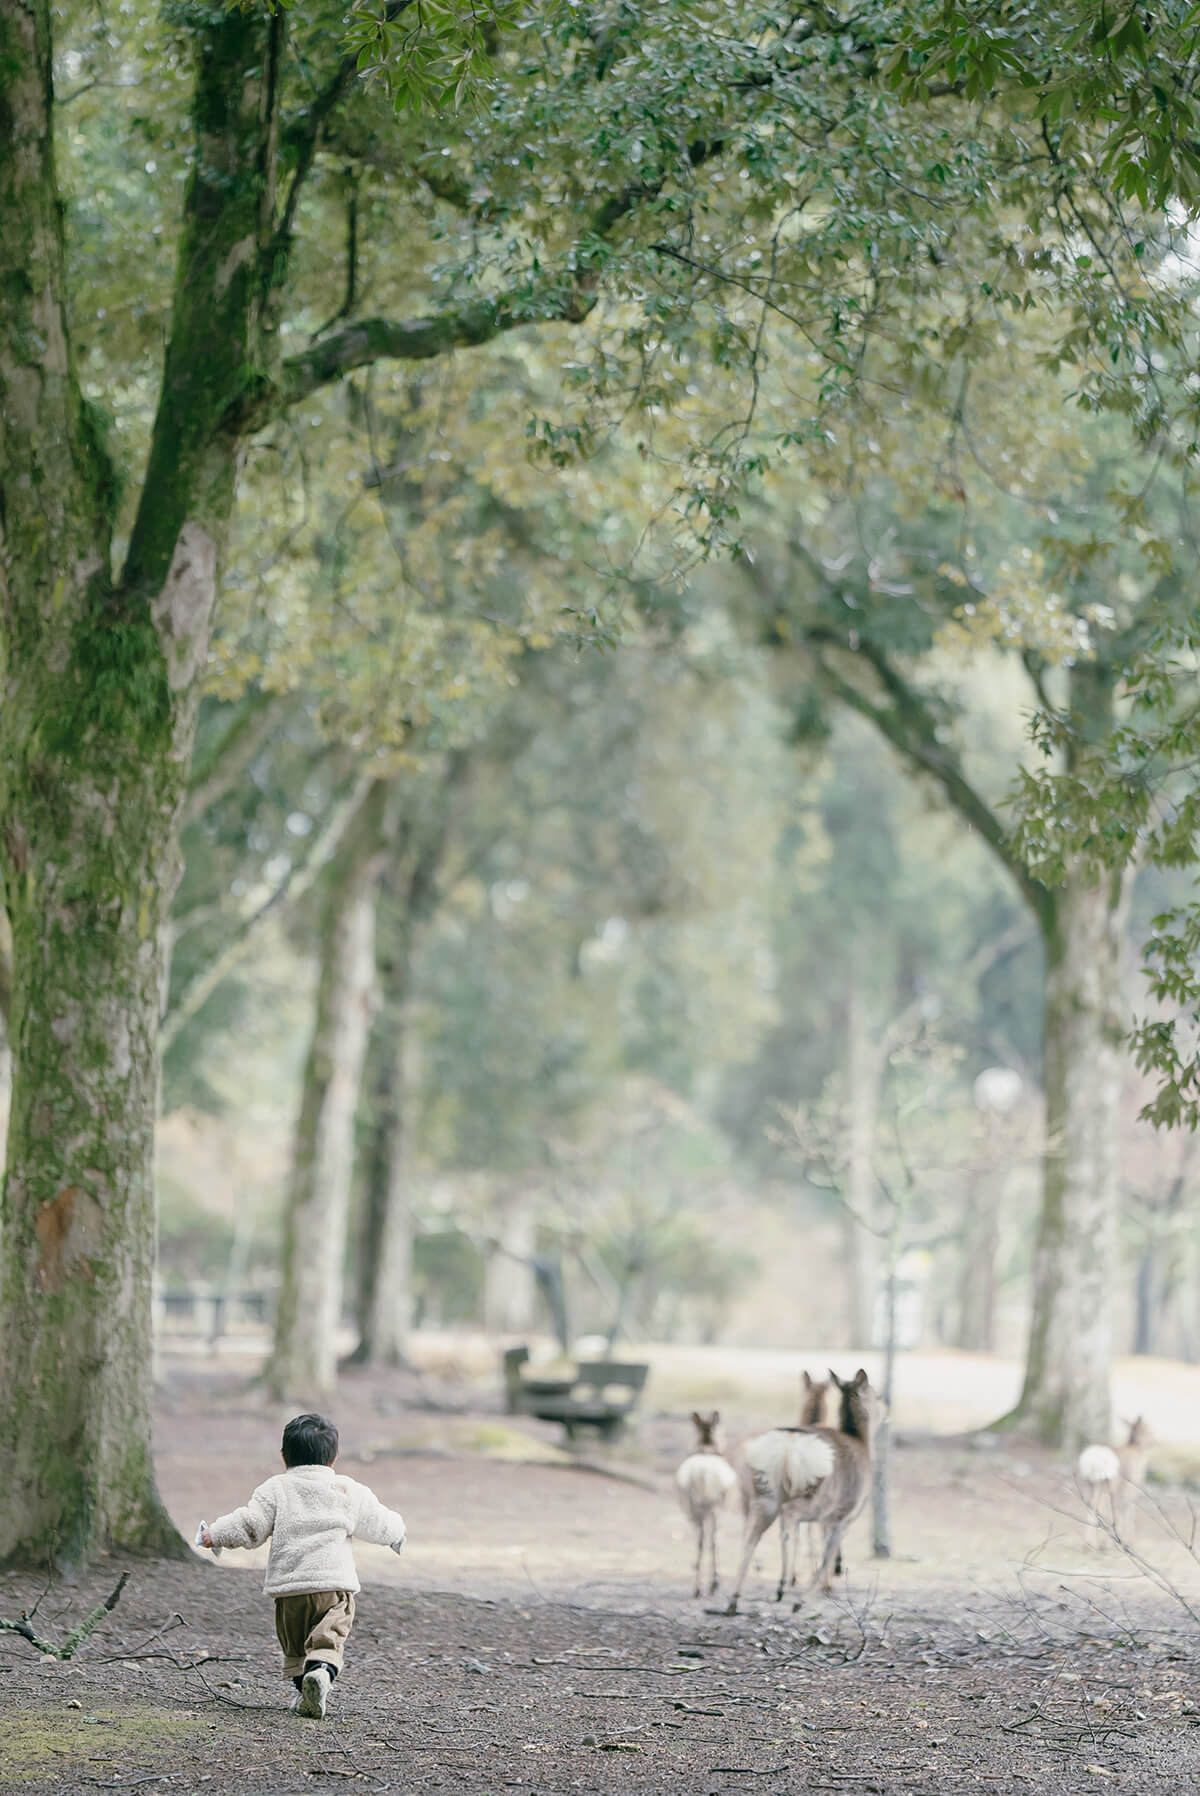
[[199, 1313]]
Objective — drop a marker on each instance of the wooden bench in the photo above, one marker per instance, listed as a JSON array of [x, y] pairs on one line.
[[599, 1394]]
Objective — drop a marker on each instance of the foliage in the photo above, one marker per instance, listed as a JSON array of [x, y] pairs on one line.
[[1125, 74]]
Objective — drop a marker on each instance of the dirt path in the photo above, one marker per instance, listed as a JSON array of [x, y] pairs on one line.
[[538, 1637]]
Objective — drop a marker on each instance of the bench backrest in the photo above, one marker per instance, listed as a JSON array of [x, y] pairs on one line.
[[596, 1374]]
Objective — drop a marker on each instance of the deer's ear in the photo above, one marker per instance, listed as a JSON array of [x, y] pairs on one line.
[[697, 1418], [860, 1377], [808, 1383], [714, 1418], [835, 1378]]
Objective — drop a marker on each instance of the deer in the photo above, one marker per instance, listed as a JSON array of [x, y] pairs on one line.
[[815, 1474], [703, 1482], [1110, 1478], [812, 1415]]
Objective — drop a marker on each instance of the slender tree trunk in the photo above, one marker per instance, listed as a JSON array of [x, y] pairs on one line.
[[304, 1359], [1066, 1396], [509, 1285], [980, 1241], [1146, 1309], [385, 1279], [860, 1245], [881, 1452], [96, 728], [385, 1296]]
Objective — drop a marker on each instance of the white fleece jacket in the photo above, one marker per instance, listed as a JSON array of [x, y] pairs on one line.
[[309, 1513]]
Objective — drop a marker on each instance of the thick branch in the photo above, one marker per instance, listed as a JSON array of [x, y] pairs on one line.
[[911, 728], [370, 340], [563, 298]]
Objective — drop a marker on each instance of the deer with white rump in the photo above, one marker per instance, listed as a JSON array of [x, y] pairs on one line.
[[813, 1393], [703, 1481], [1110, 1478], [811, 1475]]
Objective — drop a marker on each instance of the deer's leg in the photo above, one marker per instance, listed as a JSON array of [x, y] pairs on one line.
[[758, 1520], [833, 1541], [712, 1548], [699, 1554], [785, 1533]]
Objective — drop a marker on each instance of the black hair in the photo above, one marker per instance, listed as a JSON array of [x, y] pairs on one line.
[[309, 1440]]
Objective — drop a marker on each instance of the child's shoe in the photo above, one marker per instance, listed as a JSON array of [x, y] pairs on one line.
[[313, 1692]]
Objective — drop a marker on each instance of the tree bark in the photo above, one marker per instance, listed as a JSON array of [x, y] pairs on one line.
[[304, 1358]]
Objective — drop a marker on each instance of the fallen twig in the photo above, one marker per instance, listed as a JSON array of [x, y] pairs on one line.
[[77, 1635], [124, 1783]]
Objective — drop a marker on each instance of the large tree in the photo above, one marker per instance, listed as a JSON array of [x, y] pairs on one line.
[[665, 163]]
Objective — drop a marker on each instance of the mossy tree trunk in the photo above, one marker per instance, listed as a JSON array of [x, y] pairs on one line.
[[99, 675], [303, 1362], [99, 687]]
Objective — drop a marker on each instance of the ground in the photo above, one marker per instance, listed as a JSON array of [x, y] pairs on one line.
[[538, 1635]]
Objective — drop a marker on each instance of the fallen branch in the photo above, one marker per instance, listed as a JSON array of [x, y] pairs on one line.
[[77, 1636], [124, 1783]]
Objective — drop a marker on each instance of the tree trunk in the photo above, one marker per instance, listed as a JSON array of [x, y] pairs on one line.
[[79, 1232], [385, 1296], [860, 1245], [1146, 1307], [881, 1454], [979, 1244], [385, 1315], [304, 1359], [96, 728], [1066, 1396], [509, 1285]]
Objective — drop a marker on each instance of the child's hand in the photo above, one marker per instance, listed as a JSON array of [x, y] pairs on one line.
[[397, 1546], [203, 1537]]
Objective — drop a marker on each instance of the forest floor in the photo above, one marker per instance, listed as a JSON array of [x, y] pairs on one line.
[[537, 1635]]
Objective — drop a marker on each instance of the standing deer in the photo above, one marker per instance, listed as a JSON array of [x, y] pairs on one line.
[[816, 1474], [703, 1481], [812, 1415], [1110, 1478]]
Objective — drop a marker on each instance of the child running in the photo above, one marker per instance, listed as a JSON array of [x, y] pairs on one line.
[[309, 1513]]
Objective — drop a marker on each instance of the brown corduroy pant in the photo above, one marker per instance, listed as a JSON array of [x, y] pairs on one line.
[[316, 1626]]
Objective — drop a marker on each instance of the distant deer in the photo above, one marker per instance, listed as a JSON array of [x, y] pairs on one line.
[[1110, 1478], [703, 1481], [815, 1474]]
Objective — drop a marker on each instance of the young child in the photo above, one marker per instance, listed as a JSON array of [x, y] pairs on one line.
[[310, 1513]]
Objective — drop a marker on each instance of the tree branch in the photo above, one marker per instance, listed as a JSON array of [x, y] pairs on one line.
[[233, 754], [289, 891], [566, 297], [77, 1636], [909, 726]]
